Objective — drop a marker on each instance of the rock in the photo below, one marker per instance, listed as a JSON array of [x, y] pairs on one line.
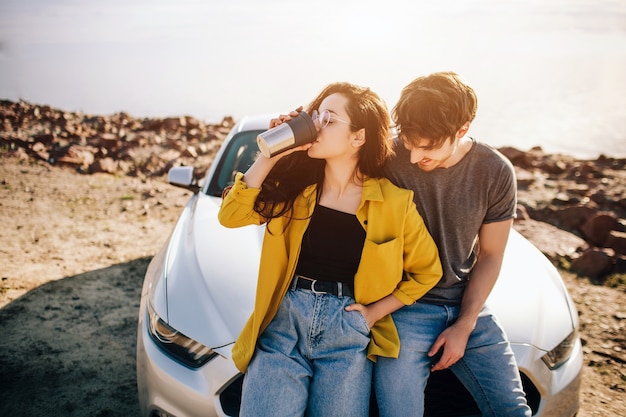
[[594, 263], [45, 138], [552, 166], [109, 141], [108, 165], [517, 157], [521, 214], [578, 189], [573, 217], [555, 243], [105, 143], [598, 228], [620, 265], [74, 155], [617, 242], [524, 178], [174, 124], [583, 197], [190, 151]]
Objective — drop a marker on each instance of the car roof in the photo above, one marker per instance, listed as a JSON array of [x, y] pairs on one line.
[[254, 122]]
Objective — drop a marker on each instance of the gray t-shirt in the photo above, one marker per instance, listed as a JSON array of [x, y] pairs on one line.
[[455, 202]]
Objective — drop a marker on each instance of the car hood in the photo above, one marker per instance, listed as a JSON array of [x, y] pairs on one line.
[[211, 274], [530, 298]]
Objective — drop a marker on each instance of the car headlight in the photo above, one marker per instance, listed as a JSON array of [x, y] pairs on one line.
[[560, 354], [176, 344]]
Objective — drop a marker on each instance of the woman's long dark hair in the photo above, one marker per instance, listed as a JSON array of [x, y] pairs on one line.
[[294, 172]]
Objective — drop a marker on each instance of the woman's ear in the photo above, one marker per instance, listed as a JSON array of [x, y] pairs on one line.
[[359, 138]]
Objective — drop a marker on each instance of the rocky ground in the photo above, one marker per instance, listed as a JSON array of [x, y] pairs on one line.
[[84, 204]]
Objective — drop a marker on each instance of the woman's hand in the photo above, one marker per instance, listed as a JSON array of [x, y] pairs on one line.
[[262, 165], [376, 311], [366, 312], [285, 117], [279, 121]]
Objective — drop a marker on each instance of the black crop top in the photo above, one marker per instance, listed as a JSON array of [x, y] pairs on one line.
[[331, 246]]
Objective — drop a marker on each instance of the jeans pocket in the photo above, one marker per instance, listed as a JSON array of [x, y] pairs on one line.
[[362, 322]]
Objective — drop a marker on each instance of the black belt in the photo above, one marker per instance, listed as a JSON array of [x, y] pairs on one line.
[[321, 287]]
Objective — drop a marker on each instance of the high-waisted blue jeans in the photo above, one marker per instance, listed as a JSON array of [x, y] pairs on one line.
[[488, 369], [311, 360]]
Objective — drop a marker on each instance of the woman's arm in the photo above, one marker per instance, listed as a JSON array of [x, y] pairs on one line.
[[421, 264], [258, 171], [237, 208], [376, 311]]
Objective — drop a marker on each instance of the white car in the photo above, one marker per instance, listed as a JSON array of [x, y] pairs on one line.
[[199, 291]]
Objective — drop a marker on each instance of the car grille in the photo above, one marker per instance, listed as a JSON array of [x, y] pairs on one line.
[[442, 387]]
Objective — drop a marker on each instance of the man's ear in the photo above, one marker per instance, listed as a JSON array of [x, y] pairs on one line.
[[463, 130]]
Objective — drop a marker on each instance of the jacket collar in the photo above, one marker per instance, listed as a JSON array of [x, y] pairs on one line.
[[372, 190]]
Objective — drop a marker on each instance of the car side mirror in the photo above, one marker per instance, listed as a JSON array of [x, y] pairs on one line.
[[183, 177]]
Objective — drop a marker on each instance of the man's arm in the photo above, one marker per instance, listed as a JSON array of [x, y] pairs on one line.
[[453, 340]]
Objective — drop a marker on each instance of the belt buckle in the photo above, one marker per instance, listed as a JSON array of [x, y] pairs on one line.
[[313, 290]]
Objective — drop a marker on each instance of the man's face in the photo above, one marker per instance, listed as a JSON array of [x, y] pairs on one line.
[[427, 157]]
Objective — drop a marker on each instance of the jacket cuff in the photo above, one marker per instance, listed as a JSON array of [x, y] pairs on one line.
[[403, 297], [241, 191]]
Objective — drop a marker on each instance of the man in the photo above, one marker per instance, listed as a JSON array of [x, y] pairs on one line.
[[466, 193]]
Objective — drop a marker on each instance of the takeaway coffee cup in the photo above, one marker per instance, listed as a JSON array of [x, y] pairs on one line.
[[295, 132]]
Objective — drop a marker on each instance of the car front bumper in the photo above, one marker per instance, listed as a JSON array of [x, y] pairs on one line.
[[168, 388]]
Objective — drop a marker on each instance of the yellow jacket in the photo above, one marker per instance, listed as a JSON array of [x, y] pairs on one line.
[[396, 241]]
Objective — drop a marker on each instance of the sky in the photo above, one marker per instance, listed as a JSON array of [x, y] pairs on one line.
[[527, 59]]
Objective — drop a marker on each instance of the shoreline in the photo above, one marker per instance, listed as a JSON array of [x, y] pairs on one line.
[[77, 113]]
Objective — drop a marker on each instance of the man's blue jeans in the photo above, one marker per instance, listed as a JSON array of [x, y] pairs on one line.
[[311, 359], [488, 369]]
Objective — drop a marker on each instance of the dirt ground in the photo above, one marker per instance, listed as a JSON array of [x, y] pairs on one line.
[[73, 252]]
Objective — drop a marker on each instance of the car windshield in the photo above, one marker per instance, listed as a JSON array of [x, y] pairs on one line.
[[239, 154]]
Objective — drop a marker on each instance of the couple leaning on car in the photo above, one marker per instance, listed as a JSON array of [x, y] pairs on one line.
[[363, 280]]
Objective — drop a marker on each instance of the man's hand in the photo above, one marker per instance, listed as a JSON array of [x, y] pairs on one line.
[[453, 341]]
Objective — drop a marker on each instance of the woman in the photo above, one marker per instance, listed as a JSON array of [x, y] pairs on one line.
[[337, 241]]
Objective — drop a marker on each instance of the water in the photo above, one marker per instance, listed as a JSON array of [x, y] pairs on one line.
[[547, 72]]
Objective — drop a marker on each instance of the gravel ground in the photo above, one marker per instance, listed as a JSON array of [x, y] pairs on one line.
[[73, 254]]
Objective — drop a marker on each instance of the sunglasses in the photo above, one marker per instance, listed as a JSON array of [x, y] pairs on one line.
[[324, 118]]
